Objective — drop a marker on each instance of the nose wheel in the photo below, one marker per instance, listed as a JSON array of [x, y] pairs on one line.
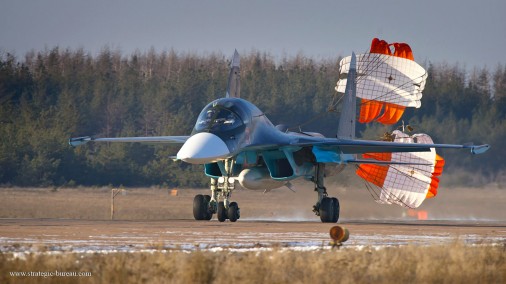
[[222, 212], [232, 212]]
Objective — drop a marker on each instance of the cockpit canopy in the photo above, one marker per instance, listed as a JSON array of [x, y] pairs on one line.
[[225, 114], [217, 118]]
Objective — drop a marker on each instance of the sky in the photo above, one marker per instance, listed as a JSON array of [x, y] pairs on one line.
[[466, 32]]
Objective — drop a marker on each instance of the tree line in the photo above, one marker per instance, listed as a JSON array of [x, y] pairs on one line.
[[51, 95]]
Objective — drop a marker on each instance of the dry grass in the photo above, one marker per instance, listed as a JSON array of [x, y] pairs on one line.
[[456, 263]]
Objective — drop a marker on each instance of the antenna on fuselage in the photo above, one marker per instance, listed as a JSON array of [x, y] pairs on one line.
[[348, 117], [234, 78]]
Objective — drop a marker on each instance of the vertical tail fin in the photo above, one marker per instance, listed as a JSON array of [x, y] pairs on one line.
[[234, 78], [346, 128]]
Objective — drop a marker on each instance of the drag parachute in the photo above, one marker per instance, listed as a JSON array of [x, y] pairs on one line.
[[386, 80], [410, 179]]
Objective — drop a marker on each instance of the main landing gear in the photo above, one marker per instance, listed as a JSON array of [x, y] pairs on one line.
[[326, 207], [204, 206]]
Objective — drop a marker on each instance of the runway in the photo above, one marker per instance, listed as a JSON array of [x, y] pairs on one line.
[[66, 235]]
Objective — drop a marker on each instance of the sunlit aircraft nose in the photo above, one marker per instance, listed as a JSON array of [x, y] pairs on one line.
[[203, 148]]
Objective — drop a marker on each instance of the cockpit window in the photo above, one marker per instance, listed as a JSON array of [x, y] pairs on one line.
[[217, 119]]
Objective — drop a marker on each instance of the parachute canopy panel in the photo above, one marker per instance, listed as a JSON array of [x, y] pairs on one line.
[[385, 78], [404, 184], [386, 81]]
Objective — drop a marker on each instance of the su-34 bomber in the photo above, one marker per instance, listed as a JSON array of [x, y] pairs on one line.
[[238, 144]]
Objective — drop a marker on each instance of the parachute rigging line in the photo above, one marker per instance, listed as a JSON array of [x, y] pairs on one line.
[[331, 108]]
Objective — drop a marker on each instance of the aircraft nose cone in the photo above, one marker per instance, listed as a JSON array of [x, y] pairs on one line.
[[203, 148]]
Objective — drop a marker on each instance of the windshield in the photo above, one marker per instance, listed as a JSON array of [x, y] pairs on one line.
[[217, 119]]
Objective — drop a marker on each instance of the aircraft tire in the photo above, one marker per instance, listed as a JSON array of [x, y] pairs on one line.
[[209, 213], [199, 207], [233, 212], [328, 210], [222, 212], [336, 208]]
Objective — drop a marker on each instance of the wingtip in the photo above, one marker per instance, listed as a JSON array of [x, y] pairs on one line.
[[480, 149], [78, 141]]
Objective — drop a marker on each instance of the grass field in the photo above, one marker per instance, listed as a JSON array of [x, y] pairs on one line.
[[157, 204], [455, 263]]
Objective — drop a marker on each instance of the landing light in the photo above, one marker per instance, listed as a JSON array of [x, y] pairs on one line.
[[230, 180]]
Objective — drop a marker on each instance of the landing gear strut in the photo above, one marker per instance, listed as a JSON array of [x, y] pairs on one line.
[[204, 207], [326, 207]]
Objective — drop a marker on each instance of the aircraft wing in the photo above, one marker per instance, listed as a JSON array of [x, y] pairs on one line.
[[368, 146], [335, 150], [177, 140], [356, 146]]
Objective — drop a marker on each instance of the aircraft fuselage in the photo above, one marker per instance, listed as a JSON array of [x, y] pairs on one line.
[[234, 127]]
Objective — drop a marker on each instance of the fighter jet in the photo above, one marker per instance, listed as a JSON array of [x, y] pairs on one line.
[[238, 144]]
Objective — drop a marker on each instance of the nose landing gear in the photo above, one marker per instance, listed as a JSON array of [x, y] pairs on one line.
[[204, 206]]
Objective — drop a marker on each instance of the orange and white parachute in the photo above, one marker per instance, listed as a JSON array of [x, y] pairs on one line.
[[403, 184], [386, 80]]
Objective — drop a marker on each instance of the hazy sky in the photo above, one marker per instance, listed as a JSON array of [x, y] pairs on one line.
[[468, 32]]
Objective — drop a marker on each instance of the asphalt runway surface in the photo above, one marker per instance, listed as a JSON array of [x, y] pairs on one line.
[[72, 235]]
